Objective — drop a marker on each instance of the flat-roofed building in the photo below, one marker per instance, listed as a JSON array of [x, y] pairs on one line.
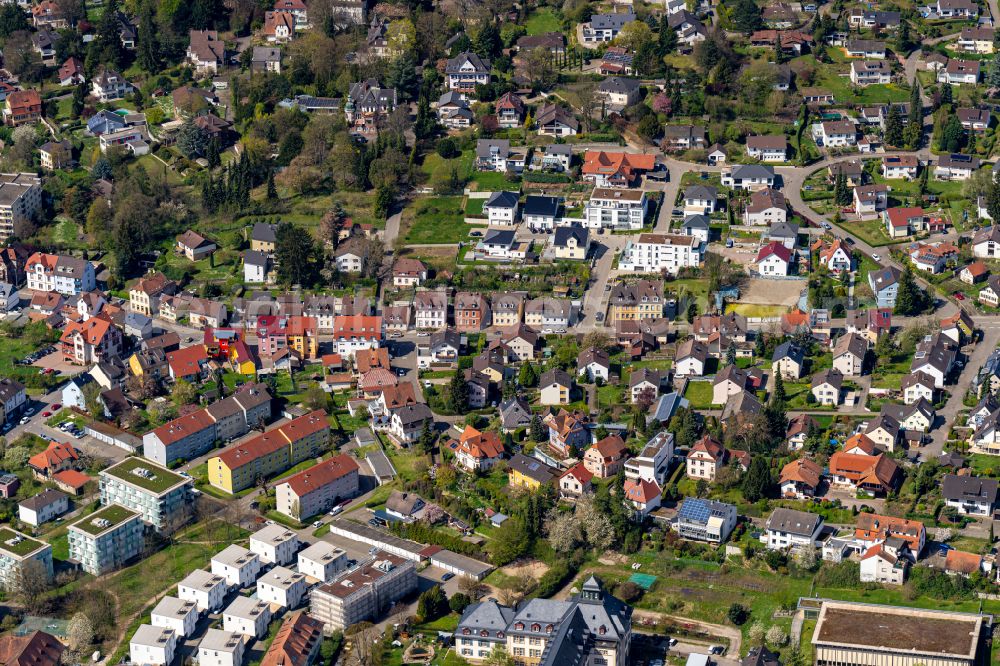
[[247, 616], [856, 634], [274, 544], [322, 561], [106, 540], [152, 645], [237, 565], [221, 648], [205, 589], [282, 586], [181, 615], [163, 498], [16, 550]]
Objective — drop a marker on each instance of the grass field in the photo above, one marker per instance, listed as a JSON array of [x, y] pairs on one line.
[[437, 220], [699, 394], [438, 170], [542, 20]]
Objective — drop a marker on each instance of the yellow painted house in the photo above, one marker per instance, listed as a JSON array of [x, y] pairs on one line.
[[241, 465], [530, 473], [242, 359]]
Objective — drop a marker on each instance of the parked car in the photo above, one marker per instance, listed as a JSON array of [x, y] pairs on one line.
[[448, 576]]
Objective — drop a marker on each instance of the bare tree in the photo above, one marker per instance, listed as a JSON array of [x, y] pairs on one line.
[[30, 583]]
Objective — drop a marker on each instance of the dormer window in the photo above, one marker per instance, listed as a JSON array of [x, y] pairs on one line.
[[519, 626], [484, 633], [500, 635], [536, 627], [466, 631], [548, 629]]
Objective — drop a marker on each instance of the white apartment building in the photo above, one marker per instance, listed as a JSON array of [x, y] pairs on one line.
[[282, 586], [237, 565], [652, 253], [180, 615], [615, 209], [205, 589], [274, 544], [247, 616], [20, 202], [153, 646], [322, 561], [60, 273], [16, 550], [221, 648]]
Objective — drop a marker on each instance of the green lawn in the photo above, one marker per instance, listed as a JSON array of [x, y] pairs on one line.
[[492, 181], [699, 394], [437, 220], [438, 170], [870, 231], [542, 20], [474, 207], [755, 310]]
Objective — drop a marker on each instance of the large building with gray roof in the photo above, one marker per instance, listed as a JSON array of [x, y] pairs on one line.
[[591, 626]]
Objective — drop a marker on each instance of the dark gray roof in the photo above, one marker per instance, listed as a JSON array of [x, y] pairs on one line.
[[884, 278], [794, 522], [499, 237], [563, 234], [618, 85], [695, 222], [789, 349], [502, 200], [533, 468], [540, 205], [455, 65], [969, 488]]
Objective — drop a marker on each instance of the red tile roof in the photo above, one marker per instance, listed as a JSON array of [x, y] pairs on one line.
[[322, 474], [56, 454]]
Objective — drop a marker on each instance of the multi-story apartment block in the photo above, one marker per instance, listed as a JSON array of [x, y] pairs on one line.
[[363, 592], [318, 488], [237, 565], [472, 312], [241, 465], [548, 314], [162, 497], [430, 309], [653, 253], [195, 434], [352, 333], [106, 540], [507, 309], [17, 551], [592, 627], [615, 209], [633, 302], [274, 544], [54, 272], [870, 72]]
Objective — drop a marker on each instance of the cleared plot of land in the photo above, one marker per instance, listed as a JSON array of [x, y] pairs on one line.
[[771, 292]]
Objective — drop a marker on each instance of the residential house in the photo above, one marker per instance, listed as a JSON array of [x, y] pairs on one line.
[[955, 166], [467, 70], [789, 528], [767, 148], [766, 207]]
